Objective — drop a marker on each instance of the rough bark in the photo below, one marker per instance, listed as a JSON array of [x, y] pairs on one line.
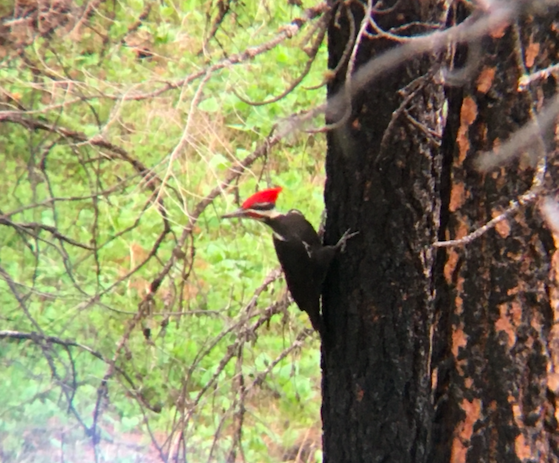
[[383, 171], [491, 398], [437, 355]]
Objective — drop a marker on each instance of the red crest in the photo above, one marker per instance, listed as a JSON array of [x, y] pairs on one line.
[[262, 197]]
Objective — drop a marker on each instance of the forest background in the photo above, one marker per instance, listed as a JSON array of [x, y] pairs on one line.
[[135, 325]]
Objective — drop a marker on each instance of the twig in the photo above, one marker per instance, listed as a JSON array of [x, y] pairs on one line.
[[529, 197], [339, 121], [184, 140], [345, 55], [524, 138], [66, 343], [33, 226], [526, 80], [414, 87], [470, 29], [308, 65]]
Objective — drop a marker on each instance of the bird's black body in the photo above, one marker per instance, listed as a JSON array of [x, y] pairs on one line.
[[304, 261], [303, 258]]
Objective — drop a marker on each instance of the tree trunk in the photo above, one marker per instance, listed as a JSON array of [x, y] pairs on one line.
[[437, 354]]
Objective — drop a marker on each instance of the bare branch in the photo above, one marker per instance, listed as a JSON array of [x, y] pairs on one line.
[[34, 227]]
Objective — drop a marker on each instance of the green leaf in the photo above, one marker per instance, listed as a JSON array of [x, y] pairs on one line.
[[210, 105], [218, 161]]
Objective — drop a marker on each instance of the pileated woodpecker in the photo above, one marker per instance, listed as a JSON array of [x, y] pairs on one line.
[[303, 258]]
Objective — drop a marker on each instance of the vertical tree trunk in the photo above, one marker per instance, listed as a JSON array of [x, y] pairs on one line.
[[436, 354], [383, 169], [491, 399]]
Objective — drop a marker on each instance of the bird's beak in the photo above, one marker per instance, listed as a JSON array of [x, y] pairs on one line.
[[237, 213]]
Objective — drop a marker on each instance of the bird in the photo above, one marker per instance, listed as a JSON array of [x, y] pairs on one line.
[[304, 259]]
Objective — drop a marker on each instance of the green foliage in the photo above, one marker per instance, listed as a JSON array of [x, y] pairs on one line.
[[130, 111]]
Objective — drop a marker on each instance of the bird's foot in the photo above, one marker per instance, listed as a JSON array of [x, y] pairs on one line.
[[342, 242]]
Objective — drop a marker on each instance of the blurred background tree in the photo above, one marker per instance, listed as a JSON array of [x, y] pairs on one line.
[[134, 323]]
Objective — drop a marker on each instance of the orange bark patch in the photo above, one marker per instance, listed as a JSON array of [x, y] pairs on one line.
[[504, 324], [531, 53], [463, 144], [459, 339], [516, 313], [464, 430], [450, 265], [461, 229], [553, 382], [468, 114], [485, 79], [522, 448], [460, 284], [458, 305], [457, 196], [516, 411]]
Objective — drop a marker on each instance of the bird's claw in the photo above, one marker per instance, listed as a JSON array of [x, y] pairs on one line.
[[342, 242]]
